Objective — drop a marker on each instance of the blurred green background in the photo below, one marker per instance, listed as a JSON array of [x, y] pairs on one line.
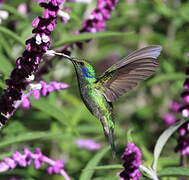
[[55, 122]]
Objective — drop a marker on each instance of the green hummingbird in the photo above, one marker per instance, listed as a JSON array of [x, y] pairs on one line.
[[98, 93]]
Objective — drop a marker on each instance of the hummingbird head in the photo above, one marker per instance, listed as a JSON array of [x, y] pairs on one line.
[[83, 68], [77, 62]]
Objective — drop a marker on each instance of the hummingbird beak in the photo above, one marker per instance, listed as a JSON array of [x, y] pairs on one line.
[[65, 56]]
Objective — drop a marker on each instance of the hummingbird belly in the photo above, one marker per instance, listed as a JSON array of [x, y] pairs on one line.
[[96, 102]]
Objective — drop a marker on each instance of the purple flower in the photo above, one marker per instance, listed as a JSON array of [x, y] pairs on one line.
[[88, 144], [44, 90], [4, 167], [175, 106], [186, 83], [132, 160], [182, 108], [36, 94], [37, 158], [183, 130], [169, 119], [185, 96], [20, 159], [28, 64], [26, 104], [10, 162], [99, 16], [52, 86], [96, 22], [22, 9], [56, 168], [183, 140]]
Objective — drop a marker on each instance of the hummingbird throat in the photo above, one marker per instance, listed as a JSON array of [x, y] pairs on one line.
[[87, 72]]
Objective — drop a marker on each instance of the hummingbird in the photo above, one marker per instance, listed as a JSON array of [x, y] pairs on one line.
[[98, 93]]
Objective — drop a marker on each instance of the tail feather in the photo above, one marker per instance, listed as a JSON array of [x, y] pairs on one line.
[[108, 126], [110, 137]]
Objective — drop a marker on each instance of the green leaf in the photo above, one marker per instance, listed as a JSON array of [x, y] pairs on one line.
[[6, 66], [86, 36], [75, 17], [12, 35], [164, 9], [174, 171], [105, 178], [113, 166], [26, 137], [167, 161], [13, 11], [162, 140], [17, 172], [4, 155], [166, 77], [51, 110], [87, 129], [88, 171], [6, 47], [2, 84]]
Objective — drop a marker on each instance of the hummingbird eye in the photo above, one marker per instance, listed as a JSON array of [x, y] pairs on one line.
[[81, 63]]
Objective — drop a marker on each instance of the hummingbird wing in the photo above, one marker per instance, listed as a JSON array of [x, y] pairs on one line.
[[128, 72]]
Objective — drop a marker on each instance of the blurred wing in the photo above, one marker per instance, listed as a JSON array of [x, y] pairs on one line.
[[128, 72]]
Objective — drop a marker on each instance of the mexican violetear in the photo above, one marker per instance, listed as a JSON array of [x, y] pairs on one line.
[[98, 93]]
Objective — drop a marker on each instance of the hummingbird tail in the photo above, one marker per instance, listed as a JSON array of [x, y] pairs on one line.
[[110, 136], [112, 142]]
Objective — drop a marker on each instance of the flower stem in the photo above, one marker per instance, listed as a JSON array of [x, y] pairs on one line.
[[63, 173]]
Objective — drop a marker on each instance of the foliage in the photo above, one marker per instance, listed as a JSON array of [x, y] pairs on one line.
[[54, 122]]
